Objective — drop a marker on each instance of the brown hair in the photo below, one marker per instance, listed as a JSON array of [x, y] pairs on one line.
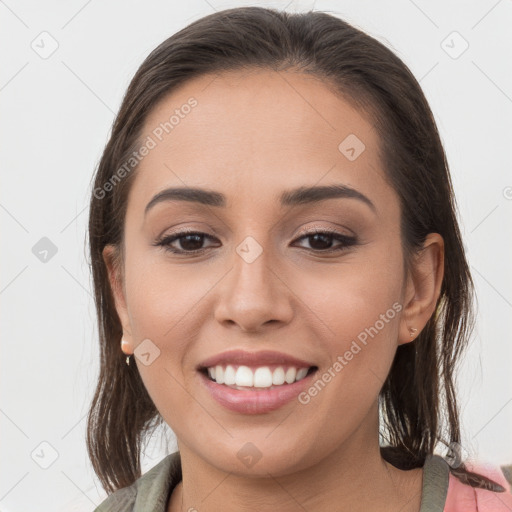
[[420, 388]]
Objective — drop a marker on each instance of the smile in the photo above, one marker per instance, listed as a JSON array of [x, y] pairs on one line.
[[244, 377]]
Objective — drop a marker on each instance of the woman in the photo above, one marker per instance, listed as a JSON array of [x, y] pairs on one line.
[[276, 256]]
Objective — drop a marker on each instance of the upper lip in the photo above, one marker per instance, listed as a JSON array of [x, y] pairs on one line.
[[261, 358]]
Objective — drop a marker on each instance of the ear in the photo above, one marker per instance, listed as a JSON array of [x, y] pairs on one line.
[[422, 288], [112, 260]]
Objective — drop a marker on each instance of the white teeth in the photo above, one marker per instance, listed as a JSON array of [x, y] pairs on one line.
[[278, 376], [229, 376], [244, 376], [291, 373], [261, 377], [301, 373]]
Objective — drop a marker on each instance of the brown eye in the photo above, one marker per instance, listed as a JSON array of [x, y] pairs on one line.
[[322, 241], [190, 242]]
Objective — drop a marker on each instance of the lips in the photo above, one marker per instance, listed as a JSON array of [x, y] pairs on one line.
[[254, 359]]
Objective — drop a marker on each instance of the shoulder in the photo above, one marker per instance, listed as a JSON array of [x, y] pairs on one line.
[[443, 492], [463, 497], [150, 492]]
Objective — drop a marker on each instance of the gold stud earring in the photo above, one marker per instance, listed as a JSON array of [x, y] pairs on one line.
[[412, 330]]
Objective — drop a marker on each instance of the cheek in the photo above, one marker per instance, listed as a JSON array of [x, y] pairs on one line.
[[163, 307], [357, 311], [351, 296], [361, 341], [163, 298], [167, 305]]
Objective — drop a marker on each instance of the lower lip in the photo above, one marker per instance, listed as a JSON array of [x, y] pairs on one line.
[[259, 401]]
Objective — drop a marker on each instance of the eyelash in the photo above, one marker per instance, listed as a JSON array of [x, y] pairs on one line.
[[347, 241]]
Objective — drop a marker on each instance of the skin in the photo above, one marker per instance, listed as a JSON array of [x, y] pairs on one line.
[[251, 136]]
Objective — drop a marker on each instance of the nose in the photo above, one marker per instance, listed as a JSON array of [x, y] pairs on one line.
[[254, 295]]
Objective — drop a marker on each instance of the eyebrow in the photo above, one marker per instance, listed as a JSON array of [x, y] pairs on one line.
[[294, 197]]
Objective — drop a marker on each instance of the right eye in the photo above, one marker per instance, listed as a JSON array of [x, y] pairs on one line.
[[190, 242]]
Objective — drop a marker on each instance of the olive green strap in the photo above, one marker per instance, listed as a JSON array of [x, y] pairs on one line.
[[436, 475]]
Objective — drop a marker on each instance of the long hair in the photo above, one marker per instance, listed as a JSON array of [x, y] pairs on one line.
[[420, 389]]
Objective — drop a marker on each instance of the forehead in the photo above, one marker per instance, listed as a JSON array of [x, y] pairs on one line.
[[257, 130]]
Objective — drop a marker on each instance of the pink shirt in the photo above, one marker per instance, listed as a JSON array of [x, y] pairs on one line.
[[464, 498]]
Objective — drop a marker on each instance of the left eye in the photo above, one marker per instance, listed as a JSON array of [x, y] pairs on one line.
[[191, 241]]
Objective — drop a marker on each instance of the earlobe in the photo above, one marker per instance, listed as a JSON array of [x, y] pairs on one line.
[[126, 347], [112, 261], [423, 287]]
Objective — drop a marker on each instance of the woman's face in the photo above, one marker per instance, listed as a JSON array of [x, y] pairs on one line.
[[259, 282]]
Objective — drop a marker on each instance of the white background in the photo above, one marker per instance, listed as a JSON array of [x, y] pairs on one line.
[[55, 119]]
